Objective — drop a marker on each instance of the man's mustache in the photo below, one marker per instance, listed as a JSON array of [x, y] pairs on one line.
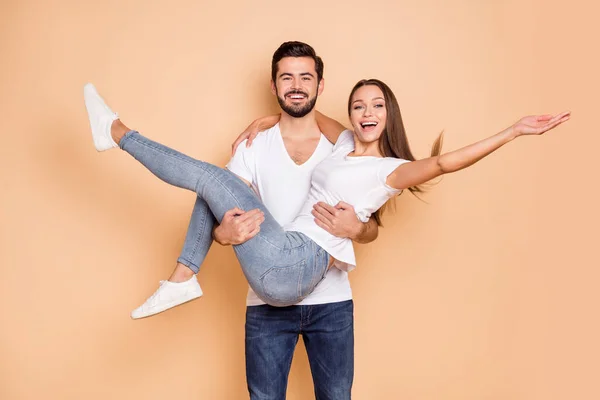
[[292, 92]]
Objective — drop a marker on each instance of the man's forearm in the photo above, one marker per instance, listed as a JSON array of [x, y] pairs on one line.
[[368, 232]]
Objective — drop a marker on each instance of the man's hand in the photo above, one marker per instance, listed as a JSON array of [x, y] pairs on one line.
[[238, 226], [340, 221]]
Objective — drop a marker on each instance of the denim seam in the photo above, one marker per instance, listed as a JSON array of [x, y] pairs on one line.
[[314, 270], [289, 366], [301, 245], [300, 278], [199, 237]]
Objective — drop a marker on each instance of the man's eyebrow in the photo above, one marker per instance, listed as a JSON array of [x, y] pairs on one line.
[[301, 74]]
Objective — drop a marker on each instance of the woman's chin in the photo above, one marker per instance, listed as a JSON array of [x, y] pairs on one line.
[[369, 137]]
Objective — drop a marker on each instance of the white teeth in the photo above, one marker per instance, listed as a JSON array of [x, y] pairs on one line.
[[370, 123]]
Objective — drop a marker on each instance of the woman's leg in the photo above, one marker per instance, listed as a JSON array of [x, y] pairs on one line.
[[182, 286], [281, 267], [219, 188], [197, 242], [270, 250]]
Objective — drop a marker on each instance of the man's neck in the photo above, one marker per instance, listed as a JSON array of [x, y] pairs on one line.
[[299, 127]]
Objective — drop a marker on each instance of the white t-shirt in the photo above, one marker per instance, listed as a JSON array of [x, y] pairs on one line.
[[359, 181], [283, 188]]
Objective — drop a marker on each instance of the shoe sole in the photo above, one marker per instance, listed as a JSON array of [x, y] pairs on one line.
[[168, 308]]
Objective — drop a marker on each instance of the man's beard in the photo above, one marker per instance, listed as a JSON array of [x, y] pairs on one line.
[[297, 111]]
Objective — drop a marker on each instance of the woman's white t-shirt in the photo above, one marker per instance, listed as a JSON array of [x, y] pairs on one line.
[[359, 181]]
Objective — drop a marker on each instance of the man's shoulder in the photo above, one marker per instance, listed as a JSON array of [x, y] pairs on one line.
[[267, 136], [264, 141], [262, 145]]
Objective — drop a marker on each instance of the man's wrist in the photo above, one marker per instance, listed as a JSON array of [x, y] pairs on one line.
[[361, 229], [217, 237]]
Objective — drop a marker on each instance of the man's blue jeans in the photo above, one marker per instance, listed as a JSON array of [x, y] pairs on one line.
[[271, 337]]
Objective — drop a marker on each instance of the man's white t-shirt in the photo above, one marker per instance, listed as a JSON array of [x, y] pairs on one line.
[[283, 187], [359, 181]]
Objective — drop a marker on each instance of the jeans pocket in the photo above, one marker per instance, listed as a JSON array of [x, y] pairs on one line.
[[282, 286]]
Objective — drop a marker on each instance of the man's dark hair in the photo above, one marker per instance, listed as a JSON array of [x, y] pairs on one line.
[[296, 49]]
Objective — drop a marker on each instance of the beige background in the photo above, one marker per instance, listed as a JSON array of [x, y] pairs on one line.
[[487, 292]]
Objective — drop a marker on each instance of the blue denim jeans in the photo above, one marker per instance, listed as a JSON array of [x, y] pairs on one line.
[[198, 238], [328, 334], [281, 267]]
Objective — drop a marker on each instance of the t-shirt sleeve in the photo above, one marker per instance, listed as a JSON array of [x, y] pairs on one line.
[[242, 163], [387, 166], [345, 139]]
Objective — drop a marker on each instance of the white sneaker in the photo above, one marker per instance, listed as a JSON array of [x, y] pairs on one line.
[[101, 118], [168, 295]]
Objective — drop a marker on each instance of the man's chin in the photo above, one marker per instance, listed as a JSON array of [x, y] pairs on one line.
[[295, 111]]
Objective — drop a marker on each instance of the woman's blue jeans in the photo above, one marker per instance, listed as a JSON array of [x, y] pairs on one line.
[[281, 267]]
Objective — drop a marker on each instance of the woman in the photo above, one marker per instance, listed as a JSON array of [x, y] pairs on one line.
[[283, 265]]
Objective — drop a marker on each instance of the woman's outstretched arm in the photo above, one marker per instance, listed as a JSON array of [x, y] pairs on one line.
[[418, 172]]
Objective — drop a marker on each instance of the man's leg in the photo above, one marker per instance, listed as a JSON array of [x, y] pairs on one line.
[[328, 333], [271, 337]]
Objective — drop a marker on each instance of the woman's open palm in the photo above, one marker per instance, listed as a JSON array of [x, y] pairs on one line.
[[538, 124]]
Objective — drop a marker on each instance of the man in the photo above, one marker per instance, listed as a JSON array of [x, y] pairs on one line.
[[278, 165]]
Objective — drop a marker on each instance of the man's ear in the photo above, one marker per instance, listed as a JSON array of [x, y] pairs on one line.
[[273, 88], [321, 86]]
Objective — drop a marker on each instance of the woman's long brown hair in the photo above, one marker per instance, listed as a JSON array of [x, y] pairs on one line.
[[393, 141]]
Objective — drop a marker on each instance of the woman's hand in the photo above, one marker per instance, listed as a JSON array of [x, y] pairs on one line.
[[538, 124], [253, 129]]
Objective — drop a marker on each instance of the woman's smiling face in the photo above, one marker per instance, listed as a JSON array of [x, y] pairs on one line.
[[368, 113]]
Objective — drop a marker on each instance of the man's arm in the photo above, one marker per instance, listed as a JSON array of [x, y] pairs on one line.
[[341, 221], [368, 233]]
